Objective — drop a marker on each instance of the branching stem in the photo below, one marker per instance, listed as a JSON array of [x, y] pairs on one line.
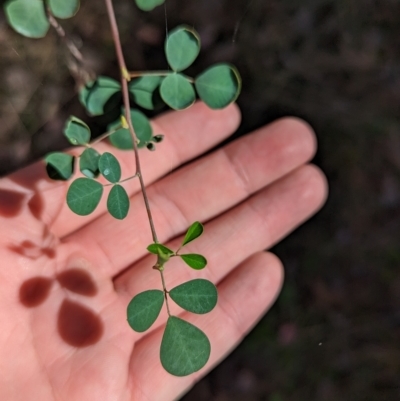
[[125, 77], [138, 74], [120, 182], [104, 136], [161, 73]]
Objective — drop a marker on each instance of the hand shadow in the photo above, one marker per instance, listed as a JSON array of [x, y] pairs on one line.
[[77, 325]]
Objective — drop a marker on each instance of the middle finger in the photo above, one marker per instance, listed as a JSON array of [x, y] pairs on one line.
[[199, 191]]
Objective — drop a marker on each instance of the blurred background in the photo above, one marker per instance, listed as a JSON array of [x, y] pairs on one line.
[[334, 332]]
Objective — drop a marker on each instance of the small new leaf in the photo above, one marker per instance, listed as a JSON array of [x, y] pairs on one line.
[[109, 167], [77, 132], [160, 250], [177, 92], [89, 163], [182, 47], [185, 349], [193, 232], [144, 309], [59, 166], [118, 202], [194, 260], [84, 195], [197, 296]]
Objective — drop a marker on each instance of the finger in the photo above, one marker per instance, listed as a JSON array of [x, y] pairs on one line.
[[231, 238], [201, 190], [188, 134], [244, 296]]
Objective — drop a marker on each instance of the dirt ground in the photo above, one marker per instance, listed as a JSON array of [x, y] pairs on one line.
[[334, 332]]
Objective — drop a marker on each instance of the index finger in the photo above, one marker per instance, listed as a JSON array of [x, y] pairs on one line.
[[188, 133]]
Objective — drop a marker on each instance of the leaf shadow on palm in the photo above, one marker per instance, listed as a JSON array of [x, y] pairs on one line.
[[77, 325]]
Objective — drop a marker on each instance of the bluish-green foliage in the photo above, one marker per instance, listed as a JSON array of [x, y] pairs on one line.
[[184, 348], [29, 17]]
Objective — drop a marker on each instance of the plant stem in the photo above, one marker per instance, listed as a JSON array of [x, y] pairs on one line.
[[165, 291], [125, 94], [138, 74], [120, 182], [88, 73], [104, 136]]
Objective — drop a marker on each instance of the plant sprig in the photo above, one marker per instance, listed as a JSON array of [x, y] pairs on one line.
[[184, 348]]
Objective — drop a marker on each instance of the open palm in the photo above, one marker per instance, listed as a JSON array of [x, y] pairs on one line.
[[66, 280]]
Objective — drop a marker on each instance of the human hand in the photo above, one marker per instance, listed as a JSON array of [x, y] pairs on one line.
[[66, 280]]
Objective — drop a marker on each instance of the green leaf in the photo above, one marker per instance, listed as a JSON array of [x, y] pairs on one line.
[[194, 260], [193, 232], [182, 47], [118, 202], [95, 95], [27, 17], [185, 349], [109, 167], [77, 132], [159, 249], [177, 91], [219, 85], [89, 163], [142, 127], [63, 8], [143, 90], [122, 139], [148, 5], [197, 296], [84, 195], [144, 309], [59, 166]]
